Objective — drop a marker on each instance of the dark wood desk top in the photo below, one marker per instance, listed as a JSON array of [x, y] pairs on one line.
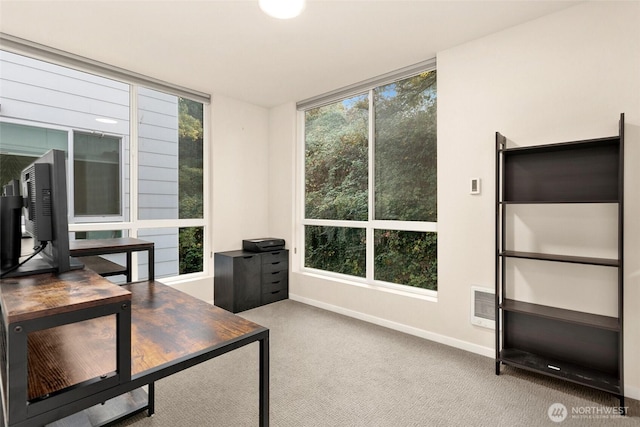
[[167, 328], [78, 248], [41, 295], [168, 325]]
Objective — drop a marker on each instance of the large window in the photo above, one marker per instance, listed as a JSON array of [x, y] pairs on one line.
[[112, 131], [370, 181]]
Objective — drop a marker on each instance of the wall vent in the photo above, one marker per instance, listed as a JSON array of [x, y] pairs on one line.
[[483, 307]]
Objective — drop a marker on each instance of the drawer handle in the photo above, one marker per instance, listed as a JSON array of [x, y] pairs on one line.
[[248, 257], [274, 253], [275, 283], [275, 263], [274, 292], [275, 272], [555, 368]]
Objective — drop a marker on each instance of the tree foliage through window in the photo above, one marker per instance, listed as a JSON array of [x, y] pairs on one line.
[[190, 183], [337, 143]]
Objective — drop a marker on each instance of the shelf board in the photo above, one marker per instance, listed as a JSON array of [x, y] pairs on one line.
[[105, 414], [559, 369], [566, 145], [564, 173], [607, 262], [561, 314], [103, 266], [557, 202], [67, 355]]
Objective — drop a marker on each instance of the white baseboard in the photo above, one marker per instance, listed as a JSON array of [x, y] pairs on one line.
[[442, 339], [632, 392], [629, 391]]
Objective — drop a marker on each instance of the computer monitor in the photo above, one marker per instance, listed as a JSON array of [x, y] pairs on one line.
[[44, 189], [10, 229], [12, 188]]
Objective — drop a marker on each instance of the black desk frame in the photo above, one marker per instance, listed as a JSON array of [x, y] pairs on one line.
[[148, 377], [96, 391], [126, 249], [20, 408]]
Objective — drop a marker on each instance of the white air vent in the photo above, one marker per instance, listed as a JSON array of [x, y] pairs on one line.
[[483, 307]]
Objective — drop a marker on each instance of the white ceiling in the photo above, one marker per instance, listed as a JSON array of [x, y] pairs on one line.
[[231, 48]]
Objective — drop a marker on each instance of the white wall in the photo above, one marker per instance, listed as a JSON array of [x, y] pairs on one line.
[[240, 156], [566, 76], [282, 128]]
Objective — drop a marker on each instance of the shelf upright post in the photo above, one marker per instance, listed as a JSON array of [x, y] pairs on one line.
[[621, 260], [499, 245]]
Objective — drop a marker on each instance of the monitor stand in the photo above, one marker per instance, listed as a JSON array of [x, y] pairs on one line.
[[39, 265]]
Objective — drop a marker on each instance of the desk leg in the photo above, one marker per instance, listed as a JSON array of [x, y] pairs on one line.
[[129, 276], [151, 399], [152, 265], [264, 381]]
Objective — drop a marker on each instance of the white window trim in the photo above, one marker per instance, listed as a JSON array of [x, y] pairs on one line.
[[372, 224]]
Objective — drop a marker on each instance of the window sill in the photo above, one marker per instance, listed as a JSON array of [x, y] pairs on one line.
[[416, 293], [184, 278]]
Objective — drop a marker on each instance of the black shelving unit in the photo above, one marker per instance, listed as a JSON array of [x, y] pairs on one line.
[[576, 346]]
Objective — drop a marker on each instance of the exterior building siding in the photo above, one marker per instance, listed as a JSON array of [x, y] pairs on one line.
[[43, 95]]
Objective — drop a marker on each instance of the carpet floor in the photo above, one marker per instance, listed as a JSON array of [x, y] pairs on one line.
[[332, 370]]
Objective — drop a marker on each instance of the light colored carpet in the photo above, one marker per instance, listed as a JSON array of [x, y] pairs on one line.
[[332, 370]]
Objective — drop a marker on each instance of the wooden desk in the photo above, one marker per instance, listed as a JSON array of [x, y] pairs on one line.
[[170, 331], [89, 249], [34, 309]]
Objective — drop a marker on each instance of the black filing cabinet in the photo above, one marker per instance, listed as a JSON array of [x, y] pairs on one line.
[[245, 280]]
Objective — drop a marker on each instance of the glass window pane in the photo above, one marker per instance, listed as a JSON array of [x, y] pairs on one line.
[[190, 159], [20, 145], [191, 249], [57, 101], [100, 234], [97, 175], [336, 168], [165, 252], [89, 116], [405, 149], [170, 157], [30, 140], [176, 251], [337, 249], [406, 258]]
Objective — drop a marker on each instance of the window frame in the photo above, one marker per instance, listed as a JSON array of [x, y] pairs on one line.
[[71, 132], [371, 224], [79, 219], [133, 80]]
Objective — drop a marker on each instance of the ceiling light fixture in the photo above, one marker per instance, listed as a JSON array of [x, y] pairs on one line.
[[282, 9]]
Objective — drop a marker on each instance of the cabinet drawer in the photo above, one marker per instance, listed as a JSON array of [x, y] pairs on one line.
[[274, 276], [274, 266], [275, 285], [275, 256], [274, 296]]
